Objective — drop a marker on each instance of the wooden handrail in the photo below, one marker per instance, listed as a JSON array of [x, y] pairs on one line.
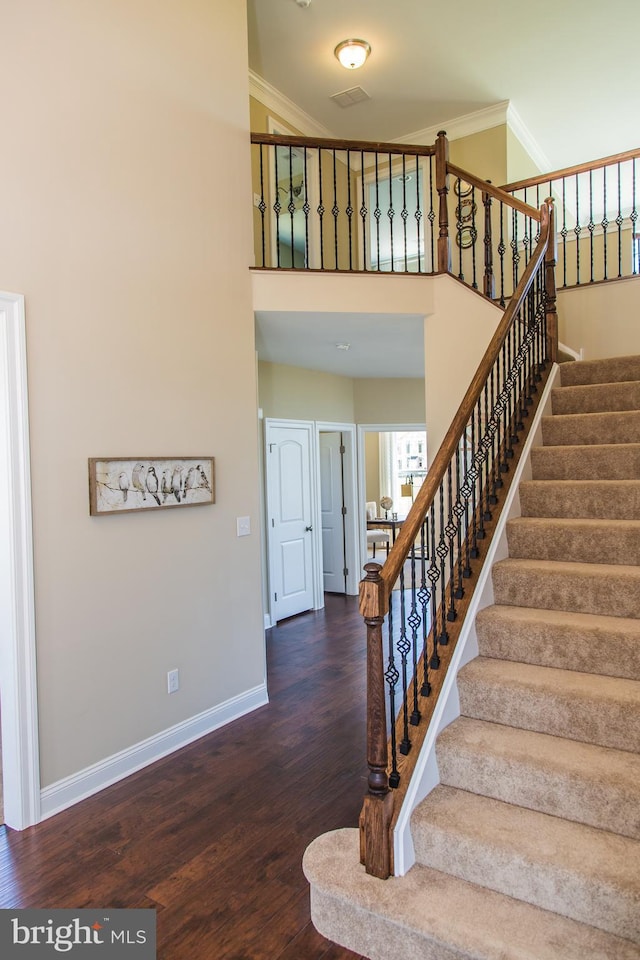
[[355, 146], [498, 193], [571, 171], [375, 603]]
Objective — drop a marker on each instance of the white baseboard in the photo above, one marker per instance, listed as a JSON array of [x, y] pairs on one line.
[[64, 793]]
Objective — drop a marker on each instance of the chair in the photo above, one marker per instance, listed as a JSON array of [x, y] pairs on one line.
[[376, 536]]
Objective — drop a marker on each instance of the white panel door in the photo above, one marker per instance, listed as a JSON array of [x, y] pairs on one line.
[[331, 511], [288, 462]]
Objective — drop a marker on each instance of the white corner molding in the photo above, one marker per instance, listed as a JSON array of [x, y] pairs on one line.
[[64, 793], [18, 687], [289, 111], [526, 138], [464, 126]]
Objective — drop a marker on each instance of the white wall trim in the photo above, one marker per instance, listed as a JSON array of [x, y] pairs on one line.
[[425, 776], [290, 112], [18, 687], [464, 126], [64, 793]]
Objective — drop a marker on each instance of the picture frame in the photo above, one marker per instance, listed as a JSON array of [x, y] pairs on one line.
[[132, 484]]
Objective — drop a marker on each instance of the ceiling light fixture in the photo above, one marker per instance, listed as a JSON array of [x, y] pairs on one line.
[[343, 346], [352, 53]]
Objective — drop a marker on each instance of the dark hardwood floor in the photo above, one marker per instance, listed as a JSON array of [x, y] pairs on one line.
[[213, 836]]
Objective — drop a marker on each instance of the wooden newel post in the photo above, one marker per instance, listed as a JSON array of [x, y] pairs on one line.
[[377, 810], [442, 158], [550, 286], [488, 247]]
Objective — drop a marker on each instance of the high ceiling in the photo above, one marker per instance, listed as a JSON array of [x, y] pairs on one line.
[[567, 66]]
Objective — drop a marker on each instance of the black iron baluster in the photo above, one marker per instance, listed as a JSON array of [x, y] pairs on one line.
[[501, 253], [633, 216], [459, 225], [404, 648], [496, 480], [363, 212], [515, 253], [486, 446], [472, 474], [563, 232], [424, 595], [391, 213], [488, 288], [377, 213], [432, 214], [306, 208], [405, 213], [392, 676], [335, 210], [291, 207], [442, 551], [433, 574], [504, 466], [277, 207], [605, 222], [474, 236], [321, 209], [349, 210], [479, 462], [262, 206], [591, 225], [577, 230], [619, 221], [450, 531], [414, 621], [465, 491]]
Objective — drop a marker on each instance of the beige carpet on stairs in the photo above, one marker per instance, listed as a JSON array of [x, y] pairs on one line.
[[529, 848]]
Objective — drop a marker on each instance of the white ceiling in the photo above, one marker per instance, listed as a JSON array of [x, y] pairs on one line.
[[568, 67]]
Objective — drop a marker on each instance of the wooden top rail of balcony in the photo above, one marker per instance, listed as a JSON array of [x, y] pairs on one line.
[[353, 146], [572, 171]]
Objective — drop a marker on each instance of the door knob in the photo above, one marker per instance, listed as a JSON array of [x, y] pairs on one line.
[[308, 528]]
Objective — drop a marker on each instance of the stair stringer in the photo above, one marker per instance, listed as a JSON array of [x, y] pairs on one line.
[[426, 775]]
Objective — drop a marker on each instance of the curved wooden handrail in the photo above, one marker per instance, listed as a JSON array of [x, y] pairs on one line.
[[374, 603], [571, 171], [498, 193], [354, 146]]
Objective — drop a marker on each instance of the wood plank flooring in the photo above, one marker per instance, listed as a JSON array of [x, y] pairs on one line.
[[213, 836]]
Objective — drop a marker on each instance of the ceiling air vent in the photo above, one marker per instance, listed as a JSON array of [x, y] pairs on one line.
[[348, 98]]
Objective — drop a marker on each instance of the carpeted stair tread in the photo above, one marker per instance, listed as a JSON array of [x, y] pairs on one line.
[[588, 499], [612, 590], [609, 370], [588, 643], [604, 461], [563, 703], [609, 427], [430, 915], [579, 781], [596, 397], [587, 874], [578, 540]]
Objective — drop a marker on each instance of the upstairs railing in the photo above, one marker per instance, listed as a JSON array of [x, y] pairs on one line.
[[413, 606], [339, 205], [597, 215]]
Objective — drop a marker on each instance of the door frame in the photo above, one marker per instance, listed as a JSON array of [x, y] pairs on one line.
[[18, 684], [375, 428], [354, 576]]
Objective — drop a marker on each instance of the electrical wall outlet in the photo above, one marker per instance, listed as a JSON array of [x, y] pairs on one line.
[[243, 526], [173, 681]]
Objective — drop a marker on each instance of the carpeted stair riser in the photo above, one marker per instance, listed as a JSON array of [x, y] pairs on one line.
[[581, 541], [580, 782], [606, 589], [581, 428], [596, 398], [431, 915], [613, 461], [611, 370], [557, 638], [579, 706], [586, 874], [586, 499]]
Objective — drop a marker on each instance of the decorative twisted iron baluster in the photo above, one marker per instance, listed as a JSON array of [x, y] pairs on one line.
[[414, 620], [450, 530], [262, 208], [404, 213], [504, 466], [433, 573], [633, 216], [391, 213], [277, 207], [459, 511], [442, 551], [392, 676], [404, 648], [377, 213], [577, 230], [363, 214], [619, 222], [474, 235], [349, 210], [335, 210], [472, 474], [488, 245], [424, 595], [306, 209], [431, 216], [321, 208], [515, 253], [591, 225], [563, 232], [605, 222], [501, 253], [291, 207]]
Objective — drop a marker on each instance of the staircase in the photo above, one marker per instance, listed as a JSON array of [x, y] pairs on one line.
[[529, 846]]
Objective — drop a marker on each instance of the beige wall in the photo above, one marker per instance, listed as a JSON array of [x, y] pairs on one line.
[[601, 319], [294, 393], [483, 153], [520, 165], [389, 401], [125, 124]]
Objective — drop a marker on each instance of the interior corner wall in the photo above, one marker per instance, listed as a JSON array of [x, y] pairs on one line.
[[126, 125], [601, 320], [520, 163], [483, 153]]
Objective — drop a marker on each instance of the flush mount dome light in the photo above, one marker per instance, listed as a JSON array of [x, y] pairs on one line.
[[352, 53]]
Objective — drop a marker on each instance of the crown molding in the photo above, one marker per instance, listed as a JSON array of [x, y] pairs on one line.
[[290, 112], [526, 138], [463, 126]]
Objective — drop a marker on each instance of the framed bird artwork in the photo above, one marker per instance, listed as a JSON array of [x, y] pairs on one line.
[[126, 484]]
